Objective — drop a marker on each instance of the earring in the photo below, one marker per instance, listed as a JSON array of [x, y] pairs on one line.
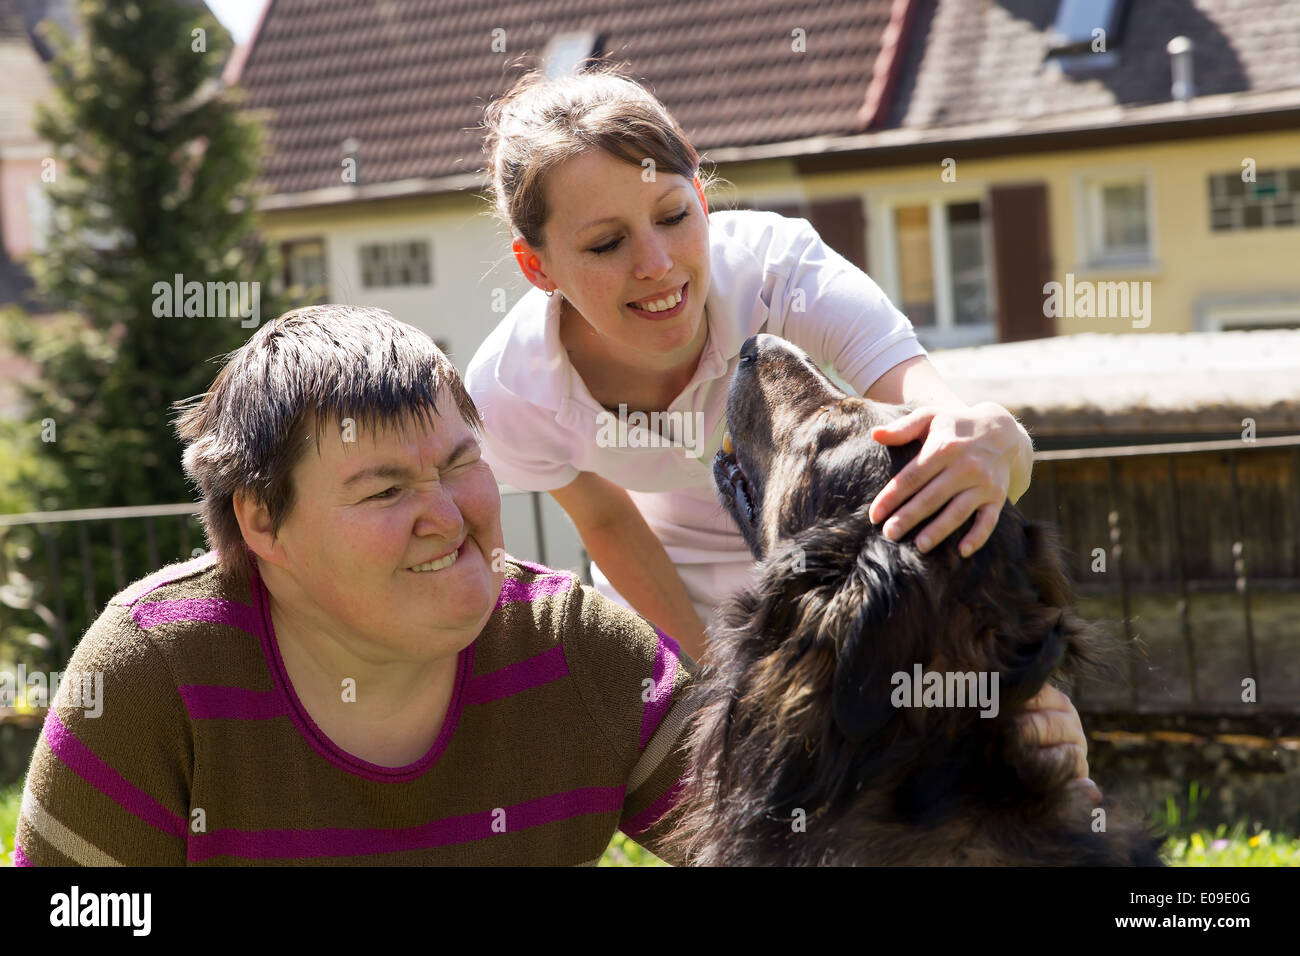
[[550, 294]]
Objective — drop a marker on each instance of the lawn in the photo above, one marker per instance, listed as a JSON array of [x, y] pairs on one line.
[[1239, 846]]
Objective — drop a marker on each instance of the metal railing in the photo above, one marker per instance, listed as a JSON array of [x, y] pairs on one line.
[[54, 564], [1119, 517]]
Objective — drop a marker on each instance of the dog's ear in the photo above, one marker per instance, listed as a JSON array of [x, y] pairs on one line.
[[1031, 662], [1087, 649], [885, 607]]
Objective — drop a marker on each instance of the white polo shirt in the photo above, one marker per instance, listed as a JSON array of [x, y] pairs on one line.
[[767, 274]]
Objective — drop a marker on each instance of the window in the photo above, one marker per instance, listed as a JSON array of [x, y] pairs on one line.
[[1248, 313], [1077, 19], [1273, 199], [395, 264], [939, 254], [1117, 221], [304, 269], [1086, 34], [566, 52]]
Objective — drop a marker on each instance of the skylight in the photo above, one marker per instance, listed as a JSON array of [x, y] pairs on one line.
[[567, 51]]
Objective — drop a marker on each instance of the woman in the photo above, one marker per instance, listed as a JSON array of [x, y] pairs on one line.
[[357, 673], [601, 188]]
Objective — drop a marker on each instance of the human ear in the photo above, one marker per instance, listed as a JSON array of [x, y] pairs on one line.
[[255, 525], [531, 266], [699, 191]]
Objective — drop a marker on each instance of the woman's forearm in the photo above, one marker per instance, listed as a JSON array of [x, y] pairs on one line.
[[638, 567]]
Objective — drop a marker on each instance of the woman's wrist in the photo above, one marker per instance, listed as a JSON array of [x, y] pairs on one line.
[[1022, 464]]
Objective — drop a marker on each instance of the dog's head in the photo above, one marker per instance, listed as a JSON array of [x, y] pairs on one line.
[[839, 610]]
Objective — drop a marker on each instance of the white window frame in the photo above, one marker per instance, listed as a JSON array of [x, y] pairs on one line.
[[883, 242], [1090, 255], [1220, 315]]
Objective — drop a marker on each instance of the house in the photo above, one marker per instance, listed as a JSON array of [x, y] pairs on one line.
[[972, 157], [1009, 171]]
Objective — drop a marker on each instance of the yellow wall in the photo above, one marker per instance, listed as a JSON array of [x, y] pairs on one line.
[[474, 272], [1191, 261]]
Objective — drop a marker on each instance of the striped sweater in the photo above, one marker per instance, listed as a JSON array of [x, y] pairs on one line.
[[564, 725]]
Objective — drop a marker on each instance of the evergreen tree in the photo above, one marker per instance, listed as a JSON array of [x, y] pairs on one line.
[[150, 176], [153, 169]]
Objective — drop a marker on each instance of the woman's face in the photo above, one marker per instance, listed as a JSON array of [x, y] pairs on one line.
[[614, 239], [370, 509]]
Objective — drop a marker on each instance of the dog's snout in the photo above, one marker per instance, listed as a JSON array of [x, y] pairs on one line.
[[760, 344]]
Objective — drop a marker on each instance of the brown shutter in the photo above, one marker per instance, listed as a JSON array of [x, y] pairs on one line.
[[1022, 255], [843, 226]]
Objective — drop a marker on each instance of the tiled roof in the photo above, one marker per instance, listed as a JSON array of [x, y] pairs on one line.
[[970, 63], [408, 79]]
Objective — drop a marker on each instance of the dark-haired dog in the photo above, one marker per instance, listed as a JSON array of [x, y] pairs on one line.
[[801, 752]]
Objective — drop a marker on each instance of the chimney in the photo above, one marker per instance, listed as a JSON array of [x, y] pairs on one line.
[[1180, 65]]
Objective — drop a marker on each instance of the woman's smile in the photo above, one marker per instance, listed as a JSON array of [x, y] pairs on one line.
[[662, 307], [668, 311]]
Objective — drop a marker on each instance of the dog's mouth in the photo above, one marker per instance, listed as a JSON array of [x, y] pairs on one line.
[[737, 493]]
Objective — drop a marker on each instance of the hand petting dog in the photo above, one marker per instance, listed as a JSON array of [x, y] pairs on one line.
[[971, 459]]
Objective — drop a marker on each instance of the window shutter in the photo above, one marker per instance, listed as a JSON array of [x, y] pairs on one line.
[[1022, 253], [842, 224]]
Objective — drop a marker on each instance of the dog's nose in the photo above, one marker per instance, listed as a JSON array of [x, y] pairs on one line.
[[758, 343]]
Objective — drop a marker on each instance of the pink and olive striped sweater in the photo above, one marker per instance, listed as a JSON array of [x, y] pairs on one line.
[[565, 725]]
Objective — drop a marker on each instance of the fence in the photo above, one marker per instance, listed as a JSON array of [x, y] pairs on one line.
[[1156, 532], [1190, 522], [52, 565]]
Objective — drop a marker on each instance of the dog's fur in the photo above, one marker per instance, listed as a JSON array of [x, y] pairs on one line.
[[798, 754]]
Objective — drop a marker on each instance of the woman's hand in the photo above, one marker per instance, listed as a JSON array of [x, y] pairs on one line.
[[971, 459], [1050, 721]]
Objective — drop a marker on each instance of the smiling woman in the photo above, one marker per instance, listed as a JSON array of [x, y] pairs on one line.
[[359, 672], [642, 300]]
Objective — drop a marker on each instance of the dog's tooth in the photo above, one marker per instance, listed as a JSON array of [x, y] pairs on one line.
[[727, 447]]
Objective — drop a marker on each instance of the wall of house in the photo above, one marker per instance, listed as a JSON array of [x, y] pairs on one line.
[[1193, 270], [475, 280]]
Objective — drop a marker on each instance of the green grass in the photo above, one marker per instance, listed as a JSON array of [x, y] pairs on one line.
[[1232, 847], [624, 851], [1238, 846], [10, 800]]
